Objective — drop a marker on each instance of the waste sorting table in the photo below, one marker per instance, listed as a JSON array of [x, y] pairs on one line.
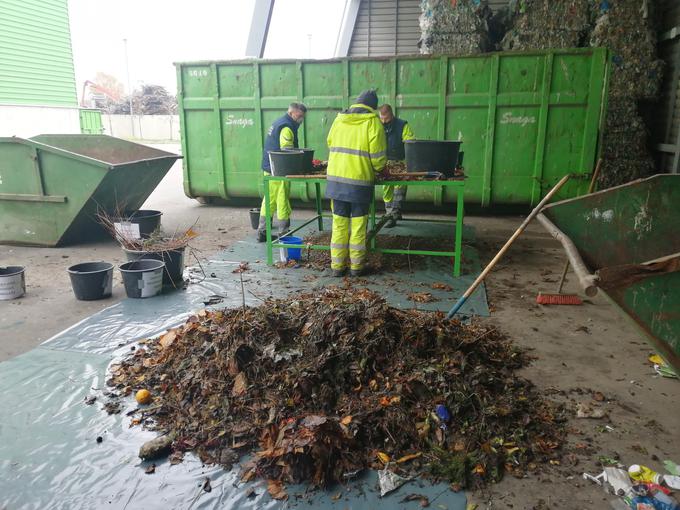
[[458, 184]]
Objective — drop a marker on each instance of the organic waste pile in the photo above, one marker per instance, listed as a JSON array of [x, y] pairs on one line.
[[375, 262], [321, 386]]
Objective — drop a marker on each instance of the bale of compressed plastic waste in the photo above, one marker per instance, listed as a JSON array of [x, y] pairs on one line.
[[456, 27], [545, 24]]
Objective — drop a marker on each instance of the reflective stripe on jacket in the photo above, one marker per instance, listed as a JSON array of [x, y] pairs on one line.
[[357, 152]]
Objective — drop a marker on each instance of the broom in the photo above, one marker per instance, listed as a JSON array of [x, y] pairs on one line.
[[461, 301], [568, 299]]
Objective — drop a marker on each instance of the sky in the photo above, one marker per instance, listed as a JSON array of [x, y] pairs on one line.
[[160, 32]]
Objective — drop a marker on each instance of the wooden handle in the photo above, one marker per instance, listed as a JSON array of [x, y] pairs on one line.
[[517, 233]]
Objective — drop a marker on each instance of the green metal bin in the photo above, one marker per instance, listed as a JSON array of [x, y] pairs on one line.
[[52, 185], [525, 119], [625, 241]]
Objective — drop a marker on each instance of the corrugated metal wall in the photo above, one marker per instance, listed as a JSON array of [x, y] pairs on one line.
[[36, 61], [386, 27], [666, 125], [391, 27]]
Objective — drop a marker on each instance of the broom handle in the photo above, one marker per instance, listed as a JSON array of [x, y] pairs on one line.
[[506, 247], [591, 188]]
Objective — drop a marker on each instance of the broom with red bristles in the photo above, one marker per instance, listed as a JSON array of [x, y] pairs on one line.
[[568, 299]]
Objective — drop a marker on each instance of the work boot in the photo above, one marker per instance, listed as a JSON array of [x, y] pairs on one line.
[[262, 236], [355, 273], [339, 273], [391, 222]]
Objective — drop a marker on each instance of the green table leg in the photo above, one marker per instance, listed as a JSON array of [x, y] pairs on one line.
[[460, 210], [268, 222], [317, 187], [371, 213]]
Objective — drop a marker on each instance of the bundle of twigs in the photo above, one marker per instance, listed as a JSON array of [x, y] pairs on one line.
[[158, 241]]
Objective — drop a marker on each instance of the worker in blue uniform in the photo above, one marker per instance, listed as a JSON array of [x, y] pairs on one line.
[[397, 131], [282, 134]]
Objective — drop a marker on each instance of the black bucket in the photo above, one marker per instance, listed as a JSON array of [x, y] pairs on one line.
[[286, 162], [91, 280], [147, 220], [432, 156], [254, 218], [307, 165], [174, 263], [142, 278]]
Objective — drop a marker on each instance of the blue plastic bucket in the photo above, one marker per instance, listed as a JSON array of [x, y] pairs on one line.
[[290, 253]]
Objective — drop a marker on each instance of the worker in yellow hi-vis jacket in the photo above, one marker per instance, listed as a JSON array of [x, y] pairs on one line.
[[356, 146], [397, 131], [283, 134]]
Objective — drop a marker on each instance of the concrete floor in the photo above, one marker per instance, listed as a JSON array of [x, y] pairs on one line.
[[579, 350]]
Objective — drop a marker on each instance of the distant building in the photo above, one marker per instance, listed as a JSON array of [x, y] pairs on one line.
[[37, 78]]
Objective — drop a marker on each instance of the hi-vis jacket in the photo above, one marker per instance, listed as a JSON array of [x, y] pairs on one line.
[[357, 152]]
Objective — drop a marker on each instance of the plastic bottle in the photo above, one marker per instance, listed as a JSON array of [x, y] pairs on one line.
[[642, 474]]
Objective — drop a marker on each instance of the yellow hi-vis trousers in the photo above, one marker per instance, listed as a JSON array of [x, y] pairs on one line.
[[279, 204], [350, 222]]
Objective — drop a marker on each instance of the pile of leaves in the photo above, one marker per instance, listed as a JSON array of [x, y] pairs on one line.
[[320, 387]]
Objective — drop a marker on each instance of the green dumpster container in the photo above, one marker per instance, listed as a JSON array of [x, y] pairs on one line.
[[625, 242], [525, 119], [51, 185]]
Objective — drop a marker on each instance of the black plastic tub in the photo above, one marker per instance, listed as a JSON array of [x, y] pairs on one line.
[[286, 162], [12, 282], [254, 218], [142, 278], [91, 280], [147, 220], [173, 259], [432, 156], [307, 160]]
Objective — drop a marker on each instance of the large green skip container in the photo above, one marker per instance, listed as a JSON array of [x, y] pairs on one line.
[[52, 185], [625, 241], [525, 119]]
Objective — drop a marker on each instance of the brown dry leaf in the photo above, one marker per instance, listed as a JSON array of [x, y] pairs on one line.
[[277, 490], [240, 385], [337, 496], [167, 339], [248, 475], [441, 286], [176, 457], [150, 469], [232, 367], [424, 500], [408, 457], [346, 420], [421, 297]]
